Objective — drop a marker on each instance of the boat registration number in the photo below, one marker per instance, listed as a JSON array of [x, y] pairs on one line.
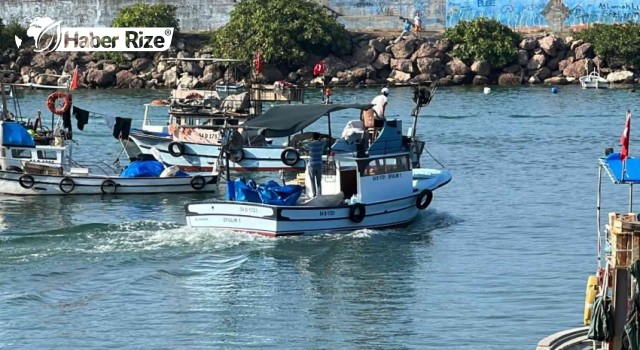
[[327, 213]]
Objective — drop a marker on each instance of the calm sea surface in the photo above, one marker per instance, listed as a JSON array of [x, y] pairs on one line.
[[498, 261]]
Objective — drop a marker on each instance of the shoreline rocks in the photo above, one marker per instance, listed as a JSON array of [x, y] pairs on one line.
[[546, 59]]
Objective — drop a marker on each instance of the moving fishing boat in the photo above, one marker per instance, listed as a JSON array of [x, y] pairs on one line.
[[368, 182]]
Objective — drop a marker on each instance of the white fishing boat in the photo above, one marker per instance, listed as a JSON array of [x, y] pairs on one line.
[[369, 184], [593, 81], [190, 138], [38, 161]]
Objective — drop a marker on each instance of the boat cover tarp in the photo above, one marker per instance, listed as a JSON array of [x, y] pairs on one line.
[[15, 135], [285, 120], [601, 322], [632, 326], [269, 193], [613, 166], [146, 168]]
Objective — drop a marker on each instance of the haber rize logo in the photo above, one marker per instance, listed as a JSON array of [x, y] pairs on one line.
[[50, 36]]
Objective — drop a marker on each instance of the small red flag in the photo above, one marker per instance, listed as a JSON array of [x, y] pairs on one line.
[[318, 69], [624, 139], [74, 80]]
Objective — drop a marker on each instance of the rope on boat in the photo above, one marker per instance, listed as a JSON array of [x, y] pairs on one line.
[[434, 158]]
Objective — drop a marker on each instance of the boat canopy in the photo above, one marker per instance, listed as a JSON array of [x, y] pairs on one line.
[[15, 135], [286, 120], [613, 165]]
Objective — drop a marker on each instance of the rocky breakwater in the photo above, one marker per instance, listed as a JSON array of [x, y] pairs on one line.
[[374, 61]]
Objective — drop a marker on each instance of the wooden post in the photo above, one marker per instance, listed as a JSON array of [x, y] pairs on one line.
[[620, 303]]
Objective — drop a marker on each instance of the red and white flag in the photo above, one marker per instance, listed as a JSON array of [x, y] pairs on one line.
[[318, 69], [74, 80], [624, 139]]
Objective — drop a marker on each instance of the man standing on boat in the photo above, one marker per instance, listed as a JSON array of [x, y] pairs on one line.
[[379, 106], [314, 165]]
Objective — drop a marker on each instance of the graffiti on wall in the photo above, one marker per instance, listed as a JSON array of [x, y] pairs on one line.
[[554, 14], [431, 11]]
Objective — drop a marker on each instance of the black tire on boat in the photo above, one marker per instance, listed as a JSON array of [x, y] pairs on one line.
[[67, 185], [424, 199], [357, 212], [26, 181], [108, 186], [17, 169], [176, 149], [198, 182], [237, 156], [290, 156]]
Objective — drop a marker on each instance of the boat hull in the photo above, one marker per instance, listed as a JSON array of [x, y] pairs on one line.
[[278, 221], [15, 183], [202, 157]]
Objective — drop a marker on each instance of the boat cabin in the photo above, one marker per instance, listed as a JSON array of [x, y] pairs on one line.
[[19, 151]]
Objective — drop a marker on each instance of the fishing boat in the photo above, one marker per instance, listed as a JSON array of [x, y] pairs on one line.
[[190, 138], [368, 182], [593, 81], [38, 161], [611, 300]]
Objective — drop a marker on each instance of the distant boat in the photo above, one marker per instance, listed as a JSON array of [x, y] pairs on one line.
[[593, 81]]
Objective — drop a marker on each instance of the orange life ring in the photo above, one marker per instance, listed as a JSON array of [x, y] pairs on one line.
[[51, 103], [194, 96], [160, 102]]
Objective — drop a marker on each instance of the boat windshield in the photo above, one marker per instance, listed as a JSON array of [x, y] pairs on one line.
[[378, 166]]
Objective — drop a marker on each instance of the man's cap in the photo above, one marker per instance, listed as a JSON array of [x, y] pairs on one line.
[[384, 91]]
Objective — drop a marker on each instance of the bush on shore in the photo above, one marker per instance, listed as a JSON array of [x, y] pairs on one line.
[[145, 15], [284, 31], [618, 41], [9, 31], [484, 39]]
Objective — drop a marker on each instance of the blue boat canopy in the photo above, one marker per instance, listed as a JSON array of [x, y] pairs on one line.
[[15, 135], [613, 165]]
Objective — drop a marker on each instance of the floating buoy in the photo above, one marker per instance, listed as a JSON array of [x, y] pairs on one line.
[[554, 90], [487, 90]]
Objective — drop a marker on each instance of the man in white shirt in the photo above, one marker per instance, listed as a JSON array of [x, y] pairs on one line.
[[379, 105]]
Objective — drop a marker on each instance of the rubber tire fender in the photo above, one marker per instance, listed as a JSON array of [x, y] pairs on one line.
[[108, 186], [176, 153], [237, 156], [26, 181], [357, 212], [67, 181], [286, 159], [198, 182], [422, 202]]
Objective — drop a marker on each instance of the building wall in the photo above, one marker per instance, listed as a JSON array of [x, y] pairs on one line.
[[199, 15]]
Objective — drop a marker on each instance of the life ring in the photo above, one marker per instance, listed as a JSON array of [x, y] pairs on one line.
[[51, 103], [159, 102], [67, 185], [108, 186], [198, 182], [194, 96], [424, 199], [357, 212], [286, 156], [237, 156], [26, 181], [176, 152]]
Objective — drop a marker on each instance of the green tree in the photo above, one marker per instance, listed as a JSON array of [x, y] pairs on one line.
[[145, 15], [9, 31], [614, 41], [484, 39], [285, 31]]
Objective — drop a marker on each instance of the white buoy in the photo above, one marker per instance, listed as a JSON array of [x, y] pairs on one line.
[[487, 90]]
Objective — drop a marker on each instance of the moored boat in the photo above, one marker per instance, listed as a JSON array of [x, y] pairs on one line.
[[593, 81]]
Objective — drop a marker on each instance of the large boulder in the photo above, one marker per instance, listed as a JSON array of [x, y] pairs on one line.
[[509, 79], [523, 57], [378, 44], [481, 68], [399, 76], [528, 44], [124, 78], [549, 44], [536, 62], [575, 69], [621, 77], [429, 65], [403, 48], [456, 67], [403, 64], [101, 78], [333, 65], [142, 65], [364, 56], [556, 81], [170, 77], [584, 51], [383, 60], [425, 50]]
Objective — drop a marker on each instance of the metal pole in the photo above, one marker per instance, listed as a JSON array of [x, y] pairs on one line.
[[631, 198], [329, 149], [598, 202]]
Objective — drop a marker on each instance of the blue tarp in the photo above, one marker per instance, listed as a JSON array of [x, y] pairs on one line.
[[269, 193], [15, 135], [613, 165], [146, 168]]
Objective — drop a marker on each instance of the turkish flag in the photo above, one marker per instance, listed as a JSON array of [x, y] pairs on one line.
[[257, 62], [624, 139], [74, 80]]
